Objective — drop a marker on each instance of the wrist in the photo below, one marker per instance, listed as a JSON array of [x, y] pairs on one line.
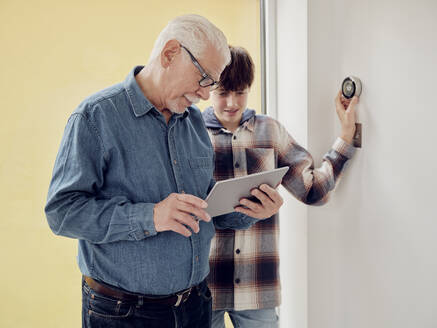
[[347, 138]]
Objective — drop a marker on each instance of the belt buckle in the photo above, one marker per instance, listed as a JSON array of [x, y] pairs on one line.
[[181, 296]]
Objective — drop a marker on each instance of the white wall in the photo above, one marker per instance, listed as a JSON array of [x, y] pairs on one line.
[[292, 95], [371, 251]]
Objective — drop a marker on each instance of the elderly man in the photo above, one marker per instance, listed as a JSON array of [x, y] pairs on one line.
[[133, 168]]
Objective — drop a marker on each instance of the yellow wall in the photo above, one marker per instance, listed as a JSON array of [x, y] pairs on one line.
[[54, 54]]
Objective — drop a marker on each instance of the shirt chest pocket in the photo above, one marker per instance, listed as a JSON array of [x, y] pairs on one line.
[[202, 169], [260, 159]]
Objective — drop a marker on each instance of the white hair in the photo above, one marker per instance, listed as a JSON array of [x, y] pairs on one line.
[[193, 32]]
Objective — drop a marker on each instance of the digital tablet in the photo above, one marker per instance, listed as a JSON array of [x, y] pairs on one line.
[[226, 194]]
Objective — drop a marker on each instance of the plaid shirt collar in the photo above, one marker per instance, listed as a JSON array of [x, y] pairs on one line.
[[211, 121]]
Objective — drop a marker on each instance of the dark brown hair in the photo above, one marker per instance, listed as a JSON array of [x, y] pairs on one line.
[[238, 75]]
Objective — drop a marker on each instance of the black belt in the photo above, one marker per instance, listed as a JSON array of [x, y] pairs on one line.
[[173, 300]]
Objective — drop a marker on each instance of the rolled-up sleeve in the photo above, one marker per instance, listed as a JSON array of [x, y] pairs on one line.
[[234, 220]]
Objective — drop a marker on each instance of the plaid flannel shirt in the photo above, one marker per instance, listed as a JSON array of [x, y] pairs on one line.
[[244, 264]]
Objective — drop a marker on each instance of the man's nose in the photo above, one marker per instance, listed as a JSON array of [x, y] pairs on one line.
[[204, 93]]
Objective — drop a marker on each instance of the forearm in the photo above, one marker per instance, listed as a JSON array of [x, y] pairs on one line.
[[309, 185]]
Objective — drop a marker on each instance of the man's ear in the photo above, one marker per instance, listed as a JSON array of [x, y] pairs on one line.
[[171, 49]]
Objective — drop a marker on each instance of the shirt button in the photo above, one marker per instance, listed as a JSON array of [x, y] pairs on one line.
[[183, 192], [146, 232], [234, 137], [237, 165], [237, 251], [237, 281], [175, 162], [197, 258]]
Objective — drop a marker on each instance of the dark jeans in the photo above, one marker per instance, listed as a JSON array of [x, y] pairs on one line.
[[100, 311]]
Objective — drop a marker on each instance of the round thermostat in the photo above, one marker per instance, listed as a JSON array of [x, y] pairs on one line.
[[351, 86]]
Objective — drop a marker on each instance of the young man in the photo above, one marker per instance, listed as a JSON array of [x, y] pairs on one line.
[[244, 276]]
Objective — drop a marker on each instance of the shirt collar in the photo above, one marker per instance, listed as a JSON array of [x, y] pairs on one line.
[[211, 121], [140, 104]]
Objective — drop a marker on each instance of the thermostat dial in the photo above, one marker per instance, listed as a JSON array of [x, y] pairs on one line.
[[351, 86]]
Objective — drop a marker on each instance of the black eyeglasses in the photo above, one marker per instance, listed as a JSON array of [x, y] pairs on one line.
[[206, 80]]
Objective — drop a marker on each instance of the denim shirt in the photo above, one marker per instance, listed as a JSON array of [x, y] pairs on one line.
[[117, 159]]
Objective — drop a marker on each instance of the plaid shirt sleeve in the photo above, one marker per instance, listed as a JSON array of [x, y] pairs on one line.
[[308, 184]]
